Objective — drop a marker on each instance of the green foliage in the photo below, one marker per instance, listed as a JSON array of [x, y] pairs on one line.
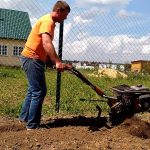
[[14, 85]]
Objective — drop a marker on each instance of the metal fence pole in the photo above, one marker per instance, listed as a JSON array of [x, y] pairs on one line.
[[59, 73]]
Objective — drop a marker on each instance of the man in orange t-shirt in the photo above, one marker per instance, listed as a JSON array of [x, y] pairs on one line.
[[38, 47]]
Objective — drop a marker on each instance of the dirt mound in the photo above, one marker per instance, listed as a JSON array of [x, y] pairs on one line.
[[111, 73], [107, 72], [76, 133]]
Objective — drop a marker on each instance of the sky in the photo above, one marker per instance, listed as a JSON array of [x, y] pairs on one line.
[[115, 31]]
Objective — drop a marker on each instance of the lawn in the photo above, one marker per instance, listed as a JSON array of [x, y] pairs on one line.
[[13, 86]]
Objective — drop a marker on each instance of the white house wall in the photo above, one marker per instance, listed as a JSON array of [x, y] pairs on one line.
[[10, 60]]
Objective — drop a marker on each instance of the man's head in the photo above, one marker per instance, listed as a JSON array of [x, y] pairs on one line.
[[60, 11]]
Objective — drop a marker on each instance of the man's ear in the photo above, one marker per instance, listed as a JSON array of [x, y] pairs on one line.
[[58, 10]]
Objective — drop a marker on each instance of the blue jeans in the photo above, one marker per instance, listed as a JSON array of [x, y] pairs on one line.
[[32, 107]]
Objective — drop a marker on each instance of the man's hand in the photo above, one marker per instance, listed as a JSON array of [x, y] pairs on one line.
[[61, 66]]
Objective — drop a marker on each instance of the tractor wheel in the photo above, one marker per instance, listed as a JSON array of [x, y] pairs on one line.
[[145, 104]]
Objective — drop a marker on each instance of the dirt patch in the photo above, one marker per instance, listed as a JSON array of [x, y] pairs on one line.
[[76, 132], [138, 128]]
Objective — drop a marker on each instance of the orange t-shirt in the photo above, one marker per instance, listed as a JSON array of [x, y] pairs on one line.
[[33, 47]]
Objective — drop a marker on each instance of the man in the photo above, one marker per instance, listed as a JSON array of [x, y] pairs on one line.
[[38, 47]]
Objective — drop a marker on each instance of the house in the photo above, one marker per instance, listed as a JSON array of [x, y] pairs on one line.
[[140, 66], [81, 65], [115, 66], [15, 27]]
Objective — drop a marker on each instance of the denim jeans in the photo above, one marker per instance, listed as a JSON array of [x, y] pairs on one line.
[[32, 107]]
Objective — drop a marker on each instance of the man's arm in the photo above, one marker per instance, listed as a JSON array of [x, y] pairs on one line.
[[50, 50]]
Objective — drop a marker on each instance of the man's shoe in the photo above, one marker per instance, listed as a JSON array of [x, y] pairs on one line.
[[30, 129]]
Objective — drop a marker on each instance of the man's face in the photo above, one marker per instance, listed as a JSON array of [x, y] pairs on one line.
[[62, 16]]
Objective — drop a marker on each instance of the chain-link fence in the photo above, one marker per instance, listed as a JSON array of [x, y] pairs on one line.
[[94, 38]]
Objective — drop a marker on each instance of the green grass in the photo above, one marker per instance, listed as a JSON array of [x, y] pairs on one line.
[[13, 86]]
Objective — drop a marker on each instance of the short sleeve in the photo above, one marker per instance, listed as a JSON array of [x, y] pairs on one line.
[[47, 27]]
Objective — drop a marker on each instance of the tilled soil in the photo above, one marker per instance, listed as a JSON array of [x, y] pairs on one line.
[[76, 133]]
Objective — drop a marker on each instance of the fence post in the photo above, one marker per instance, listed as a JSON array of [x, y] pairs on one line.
[[59, 73]]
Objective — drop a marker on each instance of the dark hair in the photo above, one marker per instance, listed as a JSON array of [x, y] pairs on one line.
[[62, 5]]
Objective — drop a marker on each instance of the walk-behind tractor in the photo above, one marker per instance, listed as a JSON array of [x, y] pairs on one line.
[[126, 100]]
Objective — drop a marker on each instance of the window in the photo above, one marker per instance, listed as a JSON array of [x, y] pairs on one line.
[[17, 50], [3, 50]]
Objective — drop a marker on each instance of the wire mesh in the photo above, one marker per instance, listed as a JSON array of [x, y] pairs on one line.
[[93, 39]]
